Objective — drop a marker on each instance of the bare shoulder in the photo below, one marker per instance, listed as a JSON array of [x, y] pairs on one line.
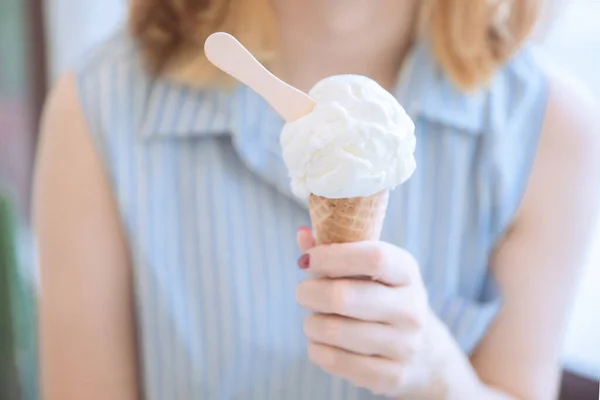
[[70, 176], [71, 179], [572, 117], [71, 184], [63, 125], [566, 172], [62, 108], [65, 146]]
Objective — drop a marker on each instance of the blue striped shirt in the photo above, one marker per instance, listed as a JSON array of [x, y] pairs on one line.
[[205, 200]]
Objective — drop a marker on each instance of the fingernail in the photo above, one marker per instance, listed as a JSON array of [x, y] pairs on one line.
[[304, 229], [304, 261]]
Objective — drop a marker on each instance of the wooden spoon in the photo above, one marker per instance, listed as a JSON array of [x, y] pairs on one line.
[[226, 53]]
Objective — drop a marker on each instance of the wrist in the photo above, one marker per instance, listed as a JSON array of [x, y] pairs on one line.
[[443, 371], [450, 374]]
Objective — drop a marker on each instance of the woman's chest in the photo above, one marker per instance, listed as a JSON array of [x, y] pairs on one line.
[[199, 208]]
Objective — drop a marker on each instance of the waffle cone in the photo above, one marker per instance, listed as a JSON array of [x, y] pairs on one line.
[[348, 220]]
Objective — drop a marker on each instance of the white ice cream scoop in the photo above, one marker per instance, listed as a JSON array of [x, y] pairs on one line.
[[225, 52], [356, 142]]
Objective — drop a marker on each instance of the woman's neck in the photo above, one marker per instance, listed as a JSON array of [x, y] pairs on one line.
[[319, 38]]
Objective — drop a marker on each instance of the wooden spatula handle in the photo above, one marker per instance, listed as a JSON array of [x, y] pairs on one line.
[[225, 52]]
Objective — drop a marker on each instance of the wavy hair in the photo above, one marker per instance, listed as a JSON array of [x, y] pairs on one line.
[[471, 39]]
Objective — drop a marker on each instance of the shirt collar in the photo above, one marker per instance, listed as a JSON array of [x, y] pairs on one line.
[[179, 111], [175, 110], [428, 93]]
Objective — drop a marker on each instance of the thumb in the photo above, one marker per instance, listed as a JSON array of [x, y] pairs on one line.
[[305, 239]]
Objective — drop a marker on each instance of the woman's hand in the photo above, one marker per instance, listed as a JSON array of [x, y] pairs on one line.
[[368, 331]]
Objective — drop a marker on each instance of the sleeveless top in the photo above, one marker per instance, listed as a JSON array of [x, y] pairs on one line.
[[205, 200]]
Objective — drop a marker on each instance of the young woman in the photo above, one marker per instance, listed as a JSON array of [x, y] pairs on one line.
[[167, 228]]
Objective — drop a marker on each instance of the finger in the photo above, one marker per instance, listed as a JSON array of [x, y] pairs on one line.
[[382, 377], [360, 337], [305, 239], [363, 300], [383, 262]]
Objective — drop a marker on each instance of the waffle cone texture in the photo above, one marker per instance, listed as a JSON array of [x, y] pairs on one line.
[[348, 220]]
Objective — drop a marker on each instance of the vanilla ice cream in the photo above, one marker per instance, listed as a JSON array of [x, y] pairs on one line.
[[356, 142]]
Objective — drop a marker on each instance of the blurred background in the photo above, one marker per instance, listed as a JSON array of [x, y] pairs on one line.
[[41, 39]]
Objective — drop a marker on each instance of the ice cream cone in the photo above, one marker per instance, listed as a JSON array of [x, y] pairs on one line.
[[347, 138], [348, 220]]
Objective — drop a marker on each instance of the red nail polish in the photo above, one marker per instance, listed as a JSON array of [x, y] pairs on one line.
[[304, 261]]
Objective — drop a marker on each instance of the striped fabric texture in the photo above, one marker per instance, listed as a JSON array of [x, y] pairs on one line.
[[211, 222]]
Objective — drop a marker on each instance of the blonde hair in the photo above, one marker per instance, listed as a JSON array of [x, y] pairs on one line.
[[471, 39]]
